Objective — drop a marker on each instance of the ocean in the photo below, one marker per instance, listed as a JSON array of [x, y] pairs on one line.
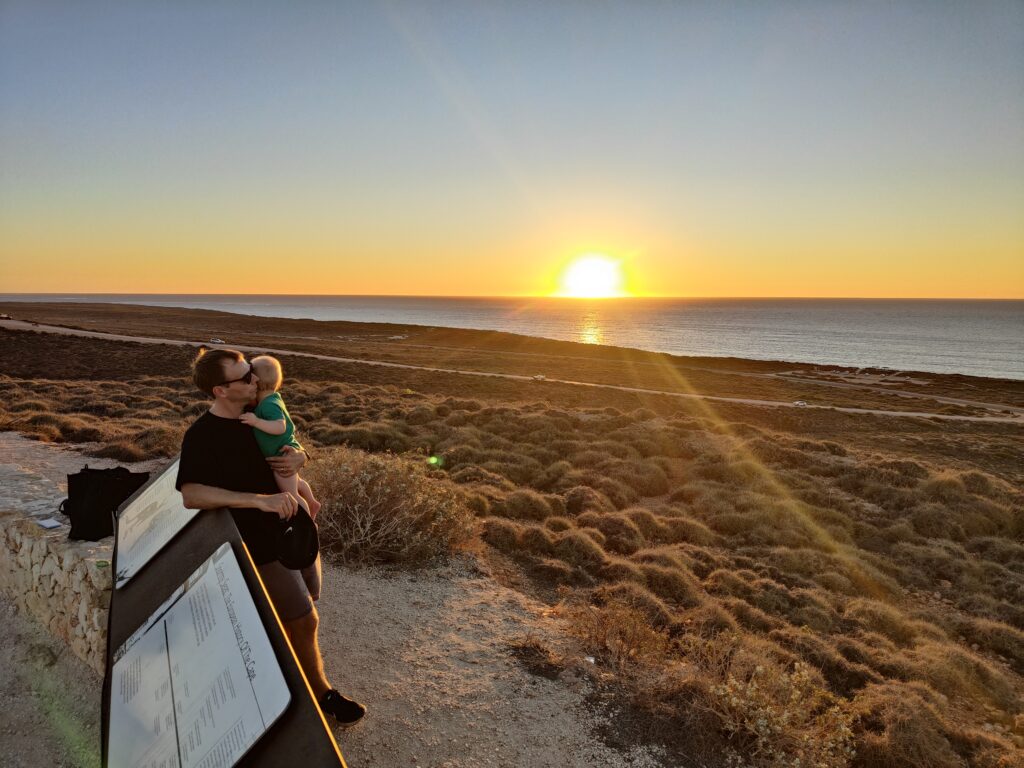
[[980, 338]]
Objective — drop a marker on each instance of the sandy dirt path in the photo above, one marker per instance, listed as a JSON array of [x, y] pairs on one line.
[[23, 326], [49, 700], [428, 651]]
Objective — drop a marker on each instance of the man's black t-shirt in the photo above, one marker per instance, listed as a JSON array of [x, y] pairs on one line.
[[223, 453]]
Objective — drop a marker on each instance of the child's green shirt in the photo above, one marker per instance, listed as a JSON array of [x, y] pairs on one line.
[[272, 408]]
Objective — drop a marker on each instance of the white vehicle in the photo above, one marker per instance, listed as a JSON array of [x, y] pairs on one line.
[[216, 341], [539, 377], [800, 403]]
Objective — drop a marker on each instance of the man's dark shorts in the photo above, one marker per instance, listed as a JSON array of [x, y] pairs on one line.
[[287, 591]]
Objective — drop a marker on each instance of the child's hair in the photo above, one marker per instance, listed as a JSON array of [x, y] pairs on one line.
[[268, 369], [208, 367]]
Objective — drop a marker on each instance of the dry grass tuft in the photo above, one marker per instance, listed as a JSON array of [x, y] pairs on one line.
[[879, 617], [899, 725]]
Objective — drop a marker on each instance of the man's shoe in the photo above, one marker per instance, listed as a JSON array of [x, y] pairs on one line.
[[342, 708]]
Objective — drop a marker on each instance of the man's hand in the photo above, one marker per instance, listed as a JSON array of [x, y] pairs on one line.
[[288, 462], [284, 505], [249, 419]]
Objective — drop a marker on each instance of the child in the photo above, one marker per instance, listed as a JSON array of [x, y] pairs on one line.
[[275, 430]]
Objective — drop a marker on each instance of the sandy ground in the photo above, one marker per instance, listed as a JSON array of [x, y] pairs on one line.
[[428, 651], [429, 654], [51, 700]]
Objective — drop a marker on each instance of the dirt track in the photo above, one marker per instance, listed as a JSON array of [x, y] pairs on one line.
[[1015, 419]]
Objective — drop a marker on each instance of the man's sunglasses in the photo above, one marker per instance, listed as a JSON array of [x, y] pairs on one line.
[[247, 379]]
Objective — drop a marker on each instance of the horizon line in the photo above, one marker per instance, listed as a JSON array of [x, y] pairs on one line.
[[523, 296]]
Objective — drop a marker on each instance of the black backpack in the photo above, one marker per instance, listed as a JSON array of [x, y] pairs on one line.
[[93, 497]]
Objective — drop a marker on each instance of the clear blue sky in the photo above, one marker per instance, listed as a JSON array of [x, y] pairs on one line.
[[864, 148]]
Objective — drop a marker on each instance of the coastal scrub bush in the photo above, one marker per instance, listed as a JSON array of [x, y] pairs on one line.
[[501, 534], [578, 548], [558, 524], [899, 725], [382, 508], [617, 632], [879, 617], [674, 585], [523, 504], [781, 718], [622, 535], [582, 498]]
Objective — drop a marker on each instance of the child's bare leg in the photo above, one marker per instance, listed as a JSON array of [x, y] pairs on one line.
[[287, 484], [307, 496]]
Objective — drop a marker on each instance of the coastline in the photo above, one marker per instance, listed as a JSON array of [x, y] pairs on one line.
[[971, 337]]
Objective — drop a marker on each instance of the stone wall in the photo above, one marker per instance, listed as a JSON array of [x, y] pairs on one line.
[[64, 585]]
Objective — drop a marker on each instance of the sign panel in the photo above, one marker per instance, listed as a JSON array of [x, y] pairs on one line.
[[198, 683], [148, 523]]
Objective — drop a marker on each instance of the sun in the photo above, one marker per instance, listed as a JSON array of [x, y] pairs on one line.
[[592, 276]]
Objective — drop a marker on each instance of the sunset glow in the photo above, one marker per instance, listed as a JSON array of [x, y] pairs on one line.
[[435, 154], [592, 276]]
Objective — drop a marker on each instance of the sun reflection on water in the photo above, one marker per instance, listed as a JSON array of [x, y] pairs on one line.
[[590, 331]]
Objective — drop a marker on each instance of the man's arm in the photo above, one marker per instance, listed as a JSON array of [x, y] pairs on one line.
[[288, 462], [198, 496]]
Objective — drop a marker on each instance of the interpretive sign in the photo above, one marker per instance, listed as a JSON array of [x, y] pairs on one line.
[[198, 683], [148, 523]]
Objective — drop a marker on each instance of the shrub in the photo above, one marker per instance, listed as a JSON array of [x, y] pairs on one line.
[[524, 504], [480, 476], [501, 534], [367, 436], [122, 450], [750, 617], [583, 497], [843, 676], [673, 584], [708, 619], [725, 582], [955, 672], [879, 617], [618, 569], [638, 597], [557, 524], [577, 548], [780, 718], [649, 525], [421, 414], [899, 726], [622, 535], [619, 633], [536, 540], [685, 529], [478, 503], [644, 477], [385, 508], [996, 637]]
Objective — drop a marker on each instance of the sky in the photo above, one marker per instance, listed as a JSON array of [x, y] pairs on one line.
[[476, 148]]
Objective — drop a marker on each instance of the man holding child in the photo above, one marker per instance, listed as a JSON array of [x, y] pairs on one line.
[[222, 466]]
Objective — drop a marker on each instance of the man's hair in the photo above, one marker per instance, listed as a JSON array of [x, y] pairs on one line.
[[269, 370], [208, 367]]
